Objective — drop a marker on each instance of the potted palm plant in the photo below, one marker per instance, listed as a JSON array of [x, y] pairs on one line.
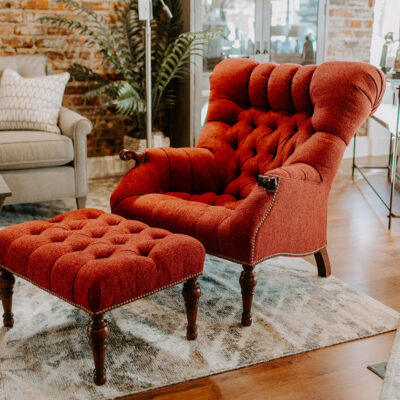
[[120, 40]]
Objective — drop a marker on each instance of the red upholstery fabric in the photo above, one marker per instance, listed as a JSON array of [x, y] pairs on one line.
[[98, 261], [289, 121]]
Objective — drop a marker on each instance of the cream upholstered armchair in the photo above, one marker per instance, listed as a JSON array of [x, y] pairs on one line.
[[41, 166]]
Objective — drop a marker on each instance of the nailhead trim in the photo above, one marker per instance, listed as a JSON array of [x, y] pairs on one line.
[[253, 247], [290, 255], [105, 309], [267, 257], [148, 294]]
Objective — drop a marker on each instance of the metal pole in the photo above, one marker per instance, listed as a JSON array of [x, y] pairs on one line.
[[354, 155], [149, 124], [394, 164]]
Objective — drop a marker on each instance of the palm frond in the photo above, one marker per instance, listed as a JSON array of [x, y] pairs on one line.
[[97, 30], [128, 100], [105, 92], [120, 39], [174, 65], [82, 73]]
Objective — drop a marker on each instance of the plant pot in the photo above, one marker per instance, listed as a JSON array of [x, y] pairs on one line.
[[131, 143], [159, 140]]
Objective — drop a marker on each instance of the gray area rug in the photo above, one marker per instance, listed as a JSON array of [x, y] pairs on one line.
[[391, 384], [99, 195], [47, 356]]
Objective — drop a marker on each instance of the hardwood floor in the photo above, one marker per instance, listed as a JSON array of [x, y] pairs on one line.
[[366, 255]]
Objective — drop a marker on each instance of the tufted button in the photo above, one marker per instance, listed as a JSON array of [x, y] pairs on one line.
[[158, 235], [58, 239], [76, 226], [100, 256], [36, 232], [144, 253], [104, 253], [135, 229], [120, 240], [97, 235], [234, 143], [113, 222], [79, 247], [145, 249]]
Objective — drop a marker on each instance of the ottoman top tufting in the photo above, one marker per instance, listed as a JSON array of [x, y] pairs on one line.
[[99, 261]]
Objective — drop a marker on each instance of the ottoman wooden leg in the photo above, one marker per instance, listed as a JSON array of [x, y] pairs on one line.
[[248, 282], [98, 332], [7, 281], [191, 293]]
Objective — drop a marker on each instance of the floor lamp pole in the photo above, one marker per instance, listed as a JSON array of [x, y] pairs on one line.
[[149, 117], [146, 14]]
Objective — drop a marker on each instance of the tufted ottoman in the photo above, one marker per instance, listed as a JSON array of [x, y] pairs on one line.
[[97, 262]]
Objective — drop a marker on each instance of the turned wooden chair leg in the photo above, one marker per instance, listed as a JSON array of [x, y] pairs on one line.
[[97, 333], [248, 282], [7, 281], [191, 294], [323, 264]]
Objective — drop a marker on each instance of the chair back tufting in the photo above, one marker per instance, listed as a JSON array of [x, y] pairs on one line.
[[263, 117]]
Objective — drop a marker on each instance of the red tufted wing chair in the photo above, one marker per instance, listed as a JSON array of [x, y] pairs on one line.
[[257, 184]]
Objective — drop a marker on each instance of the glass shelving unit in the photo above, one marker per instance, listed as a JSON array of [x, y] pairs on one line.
[[281, 31]]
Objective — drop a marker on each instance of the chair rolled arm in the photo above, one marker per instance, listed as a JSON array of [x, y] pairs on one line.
[[138, 156], [73, 125], [269, 183]]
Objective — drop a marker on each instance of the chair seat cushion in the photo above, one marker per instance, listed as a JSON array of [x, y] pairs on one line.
[[210, 198], [34, 149], [99, 261], [201, 220]]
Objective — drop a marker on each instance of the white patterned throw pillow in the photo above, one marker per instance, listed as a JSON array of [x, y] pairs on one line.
[[31, 103]]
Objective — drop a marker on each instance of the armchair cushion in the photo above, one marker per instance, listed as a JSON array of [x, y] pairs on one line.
[[34, 149]]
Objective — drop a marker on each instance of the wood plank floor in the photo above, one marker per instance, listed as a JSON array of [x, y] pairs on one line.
[[366, 255]]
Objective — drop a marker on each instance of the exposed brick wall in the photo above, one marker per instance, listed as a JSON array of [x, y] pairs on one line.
[[349, 37], [350, 30], [349, 33], [21, 33]]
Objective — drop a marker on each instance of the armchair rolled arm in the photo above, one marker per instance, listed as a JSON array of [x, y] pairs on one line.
[[73, 124], [184, 170], [77, 127], [138, 156]]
